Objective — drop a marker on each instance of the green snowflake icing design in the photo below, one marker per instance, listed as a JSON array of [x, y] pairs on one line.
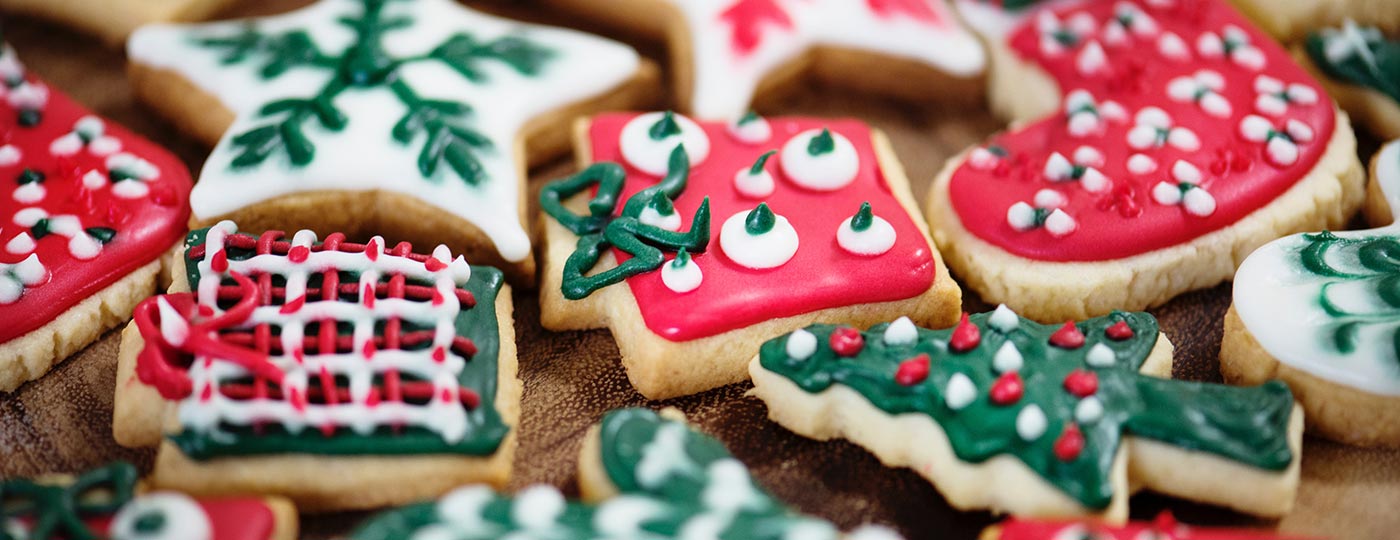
[[1371, 260], [58, 511], [672, 482], [366, 65]]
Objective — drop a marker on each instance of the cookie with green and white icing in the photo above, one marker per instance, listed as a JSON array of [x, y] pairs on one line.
[[1361, 69]]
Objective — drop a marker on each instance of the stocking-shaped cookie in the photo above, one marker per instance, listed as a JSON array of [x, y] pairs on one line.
[[1004, 413], [337, 374], [695, 242], [1170, 139], [106, 503], [406, 119], [726, 53], [648, 477], [1320, 311], [87, 212]]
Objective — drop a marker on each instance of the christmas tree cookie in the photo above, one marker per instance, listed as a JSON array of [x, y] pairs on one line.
[[413, 119], [1360, 67], [726, 53], [646, 477], [339, 375], [88, 214], [1318, 310], [1158, 142], [1007, 414], [109, 503], [696, 241], [1164, 527]]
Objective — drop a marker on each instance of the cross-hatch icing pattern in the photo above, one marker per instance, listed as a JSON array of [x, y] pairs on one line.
[[439, 92], [332, 336], [1178, 119]]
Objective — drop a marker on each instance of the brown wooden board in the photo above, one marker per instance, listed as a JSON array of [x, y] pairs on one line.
[[62, 422]]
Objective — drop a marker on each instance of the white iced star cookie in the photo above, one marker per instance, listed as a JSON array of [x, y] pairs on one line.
[[405, 119]]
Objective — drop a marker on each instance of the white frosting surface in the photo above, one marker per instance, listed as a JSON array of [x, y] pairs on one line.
[[1279, 303], [725, 81], [364, 156]]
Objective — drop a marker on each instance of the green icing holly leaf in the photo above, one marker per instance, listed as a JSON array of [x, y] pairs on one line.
[[59, 511], [443, 126], [1059, 398], [600, 229], [672, 482], [1358, 55], [1372, 262]]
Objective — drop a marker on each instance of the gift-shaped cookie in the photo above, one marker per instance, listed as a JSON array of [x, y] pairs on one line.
[[88, 213], [727, 53], [1360, 67], [1319, 311], [412, 120], [1170, 138], [109, 502], [1004, 413], [644, 476], [337, 374], [696, 241]]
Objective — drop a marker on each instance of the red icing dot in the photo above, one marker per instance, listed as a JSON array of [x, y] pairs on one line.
[[433, 264], [1070, 444], [912, 371], [1082, 383], [1119, 331], [219, 262], [846, 341], [1008, 389], [298, 254], [368, 295], [439, 355], [966, 336], [1068, 337]]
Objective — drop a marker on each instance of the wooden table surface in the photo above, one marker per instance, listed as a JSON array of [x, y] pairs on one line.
[[62, 422]]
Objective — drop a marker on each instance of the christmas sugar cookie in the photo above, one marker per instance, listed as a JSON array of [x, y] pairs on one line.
[[1290, 20], [109, 503], [413, 120], [88, 214], [1172, 138], [645, 477], [696, 241], [1360, 67], [725, 53], [1003, 413], [1317, 311], [114, 20], [1164, 527], [336, 374]]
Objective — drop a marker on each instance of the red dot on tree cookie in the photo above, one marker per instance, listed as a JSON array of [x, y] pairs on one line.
[[1067, 337], [1082, 383], [1008, 389], [966, 336], [1070, 443], [846, 341], [1119, 331], [912, 371]]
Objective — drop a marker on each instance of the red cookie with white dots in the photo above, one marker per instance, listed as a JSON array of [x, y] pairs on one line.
[[696, 241], [1163, 141], [88, 215]]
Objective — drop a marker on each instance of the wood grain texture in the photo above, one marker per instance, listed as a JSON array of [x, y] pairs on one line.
[[62, 422]]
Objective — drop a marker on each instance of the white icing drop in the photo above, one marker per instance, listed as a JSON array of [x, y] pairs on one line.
[[960, 392], [876, 240], [623, 516], [1091, 60], [900, 333], [1021, 216], [1007, 358], [652, 156], [1198, 202], [537, 508], [665, 456], [759, 252], [1100, 356], [1004, 319], [801, 345], [753, 132], [1059, 223], [1030, 423], [30, 193], [21, 244], [683, 279], [184, 519], [669, 222], [1141, 164], [754, 186], [1088, 410], [1173, 47], [9, 155], [461, 508], [94, 180], [730, 489], [828, 171], [66, 145]]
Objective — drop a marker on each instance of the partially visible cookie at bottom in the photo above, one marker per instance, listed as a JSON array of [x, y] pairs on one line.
[[1317, 311], [1006, 414]]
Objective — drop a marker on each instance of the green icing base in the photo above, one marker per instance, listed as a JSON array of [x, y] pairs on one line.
[[485, 427], [1373, 62], [1248, 425]]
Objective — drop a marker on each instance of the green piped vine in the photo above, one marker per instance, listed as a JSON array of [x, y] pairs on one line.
[[1374, 260], [363, 65], [603, 227], [59, 510]]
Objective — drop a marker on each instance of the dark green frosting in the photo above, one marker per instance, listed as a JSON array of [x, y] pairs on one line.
[[1372, 259], [693, 464], [1371, 61], [1248, 425], [485, 427], [59, 511]]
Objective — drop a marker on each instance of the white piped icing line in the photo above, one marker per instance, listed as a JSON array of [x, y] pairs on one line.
[[801, 345], [1030, 423], [876, 238], [1202, 88], [652, 155], [1186, 191], [1274, 97], [811, 164], [1233, 43], [960, 392], [900, 333], [751, 129], [1280, 142], [681, 274], [760, 251], [181, 517]]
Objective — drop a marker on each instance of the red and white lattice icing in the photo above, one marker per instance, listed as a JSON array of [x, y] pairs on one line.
[[295, 371], [734, 44], [1178, 120], [85, 202]]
